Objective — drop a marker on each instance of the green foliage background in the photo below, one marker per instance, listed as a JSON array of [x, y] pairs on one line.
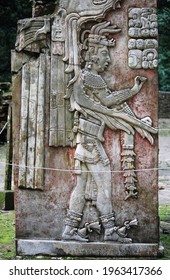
[[13, 10], [164, 44], [10, 12]]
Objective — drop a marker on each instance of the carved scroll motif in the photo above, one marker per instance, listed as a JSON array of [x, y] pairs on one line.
[[143, 44], [32, 34]]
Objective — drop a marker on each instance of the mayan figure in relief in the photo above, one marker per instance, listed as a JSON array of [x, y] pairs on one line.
[[96, 107], [81, 107]]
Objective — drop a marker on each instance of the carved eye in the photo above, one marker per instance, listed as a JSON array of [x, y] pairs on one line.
[[99, 2], [104, 53]]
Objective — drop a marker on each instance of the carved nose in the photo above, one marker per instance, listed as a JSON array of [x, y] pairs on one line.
[[108, 59]]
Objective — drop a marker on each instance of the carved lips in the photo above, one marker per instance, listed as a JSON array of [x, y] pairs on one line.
[[99, 2]]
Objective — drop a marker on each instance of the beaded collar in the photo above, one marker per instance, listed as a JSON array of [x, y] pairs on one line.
[[93, 80]]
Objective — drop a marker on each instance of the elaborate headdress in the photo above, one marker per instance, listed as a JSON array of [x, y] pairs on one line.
[[98, 35]]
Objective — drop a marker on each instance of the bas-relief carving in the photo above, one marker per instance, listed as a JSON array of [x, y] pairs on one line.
[[31, 59], [66, 47], [32, 34], [128, 165], [81, 106], [143, 45], [95, 107]]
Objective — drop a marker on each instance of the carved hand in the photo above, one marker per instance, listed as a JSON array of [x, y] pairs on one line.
[[147, 120], [139, 81]]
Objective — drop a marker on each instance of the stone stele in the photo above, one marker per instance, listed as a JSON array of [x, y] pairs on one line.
[[85, 130]]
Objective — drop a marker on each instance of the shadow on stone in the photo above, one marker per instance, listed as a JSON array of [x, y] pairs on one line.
[[6, 200]]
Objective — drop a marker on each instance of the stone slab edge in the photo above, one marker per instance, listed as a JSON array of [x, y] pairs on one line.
[[27, 247]]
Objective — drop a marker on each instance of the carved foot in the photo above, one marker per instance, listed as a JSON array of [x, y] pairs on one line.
[[74, 236], [114, 235]]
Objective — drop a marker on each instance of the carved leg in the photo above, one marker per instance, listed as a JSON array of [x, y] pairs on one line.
[[71, 229], [111, 231], [77, 199], [102, 177]]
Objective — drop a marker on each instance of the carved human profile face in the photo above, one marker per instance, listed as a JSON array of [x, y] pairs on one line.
[[102, 59]]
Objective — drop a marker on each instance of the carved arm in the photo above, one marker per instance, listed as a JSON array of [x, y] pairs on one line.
[[113, 98], [86, 102], [83, 100], [118, 97]]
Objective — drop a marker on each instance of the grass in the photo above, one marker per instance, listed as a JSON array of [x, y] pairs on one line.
[[165, 239], [7, 235], [164, 213]]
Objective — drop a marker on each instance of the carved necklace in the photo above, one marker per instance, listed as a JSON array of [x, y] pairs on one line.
[[93, 80]]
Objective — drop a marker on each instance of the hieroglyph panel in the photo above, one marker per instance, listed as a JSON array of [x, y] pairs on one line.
[[143, 44]]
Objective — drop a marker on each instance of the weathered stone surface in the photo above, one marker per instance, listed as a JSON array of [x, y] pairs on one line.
[[62, 249], [95, 154]]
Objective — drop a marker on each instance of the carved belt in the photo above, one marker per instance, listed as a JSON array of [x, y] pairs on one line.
[[91, 128]]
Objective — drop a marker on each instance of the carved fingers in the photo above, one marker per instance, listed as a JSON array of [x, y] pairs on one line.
[[139, 80], [147, 120]]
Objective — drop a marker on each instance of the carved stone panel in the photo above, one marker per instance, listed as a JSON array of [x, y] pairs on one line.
[[143, 44], [86, 129], [31, 32], [61, 119]]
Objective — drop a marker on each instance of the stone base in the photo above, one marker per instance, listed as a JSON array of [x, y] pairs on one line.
[[6, 200], [93, 249]]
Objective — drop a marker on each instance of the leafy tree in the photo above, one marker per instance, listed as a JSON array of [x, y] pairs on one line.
[[164, 44], [10, 13]]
